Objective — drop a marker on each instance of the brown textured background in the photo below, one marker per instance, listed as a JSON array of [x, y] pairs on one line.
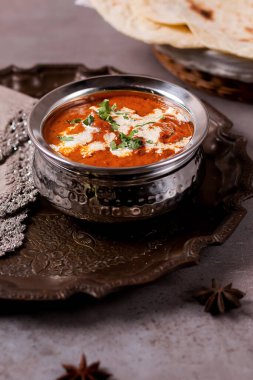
[[147, 332]]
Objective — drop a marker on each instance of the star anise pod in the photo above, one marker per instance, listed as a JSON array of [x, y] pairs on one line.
[[84, 372], [218, 299]]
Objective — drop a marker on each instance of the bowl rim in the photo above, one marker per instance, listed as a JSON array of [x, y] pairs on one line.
[[78, 89]]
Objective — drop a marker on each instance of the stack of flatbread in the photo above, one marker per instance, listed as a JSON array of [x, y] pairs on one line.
[[223, 25]]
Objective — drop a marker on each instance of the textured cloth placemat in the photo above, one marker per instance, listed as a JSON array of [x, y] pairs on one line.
[[16, 185]]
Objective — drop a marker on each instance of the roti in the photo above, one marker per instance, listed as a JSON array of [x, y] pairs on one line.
[[126, 17]]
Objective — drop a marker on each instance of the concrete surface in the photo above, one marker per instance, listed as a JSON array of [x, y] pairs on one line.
[[149, 332]]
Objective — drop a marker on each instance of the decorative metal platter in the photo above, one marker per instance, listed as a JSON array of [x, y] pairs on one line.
[[62, 256], [218, 73]]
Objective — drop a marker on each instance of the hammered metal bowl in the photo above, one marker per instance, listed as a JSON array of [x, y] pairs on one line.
[[117, 194]]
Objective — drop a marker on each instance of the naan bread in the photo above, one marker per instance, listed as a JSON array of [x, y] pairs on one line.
[[225, 25], [162, 11], [124, 16], [222, 25]]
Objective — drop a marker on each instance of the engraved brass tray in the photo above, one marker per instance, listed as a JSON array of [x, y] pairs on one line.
[[62, 256]]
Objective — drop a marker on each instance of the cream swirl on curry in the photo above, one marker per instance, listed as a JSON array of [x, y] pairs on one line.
[[119, 129]]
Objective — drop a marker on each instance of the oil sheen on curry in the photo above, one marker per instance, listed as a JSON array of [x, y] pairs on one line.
[[119, 129]]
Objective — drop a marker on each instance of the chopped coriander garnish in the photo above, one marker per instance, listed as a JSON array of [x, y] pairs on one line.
[[133, 132], [89, 120], [74, 121], [114, 107], [120, 113], [135, 144], [129, 142], [110, 120], [66, 138], [113, 123], [148, 122], [150, 142], [115, 126], [113, 145], [104, 109], [104, 113], [125, 115]]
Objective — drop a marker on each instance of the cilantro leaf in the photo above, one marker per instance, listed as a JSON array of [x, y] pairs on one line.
[[129, 142], [148, 122], [114, 126], [124, 114], [135, 143], [74, 121], [89, 120], [113, 123], [113, 145], [104, 113], [104, 109], [150, 142], [66, 138], [133, 132]]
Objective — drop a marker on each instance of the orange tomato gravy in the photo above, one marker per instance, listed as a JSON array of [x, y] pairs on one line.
[[131, 128]]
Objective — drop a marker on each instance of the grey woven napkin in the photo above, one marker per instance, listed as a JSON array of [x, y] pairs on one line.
[[17, 190]]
